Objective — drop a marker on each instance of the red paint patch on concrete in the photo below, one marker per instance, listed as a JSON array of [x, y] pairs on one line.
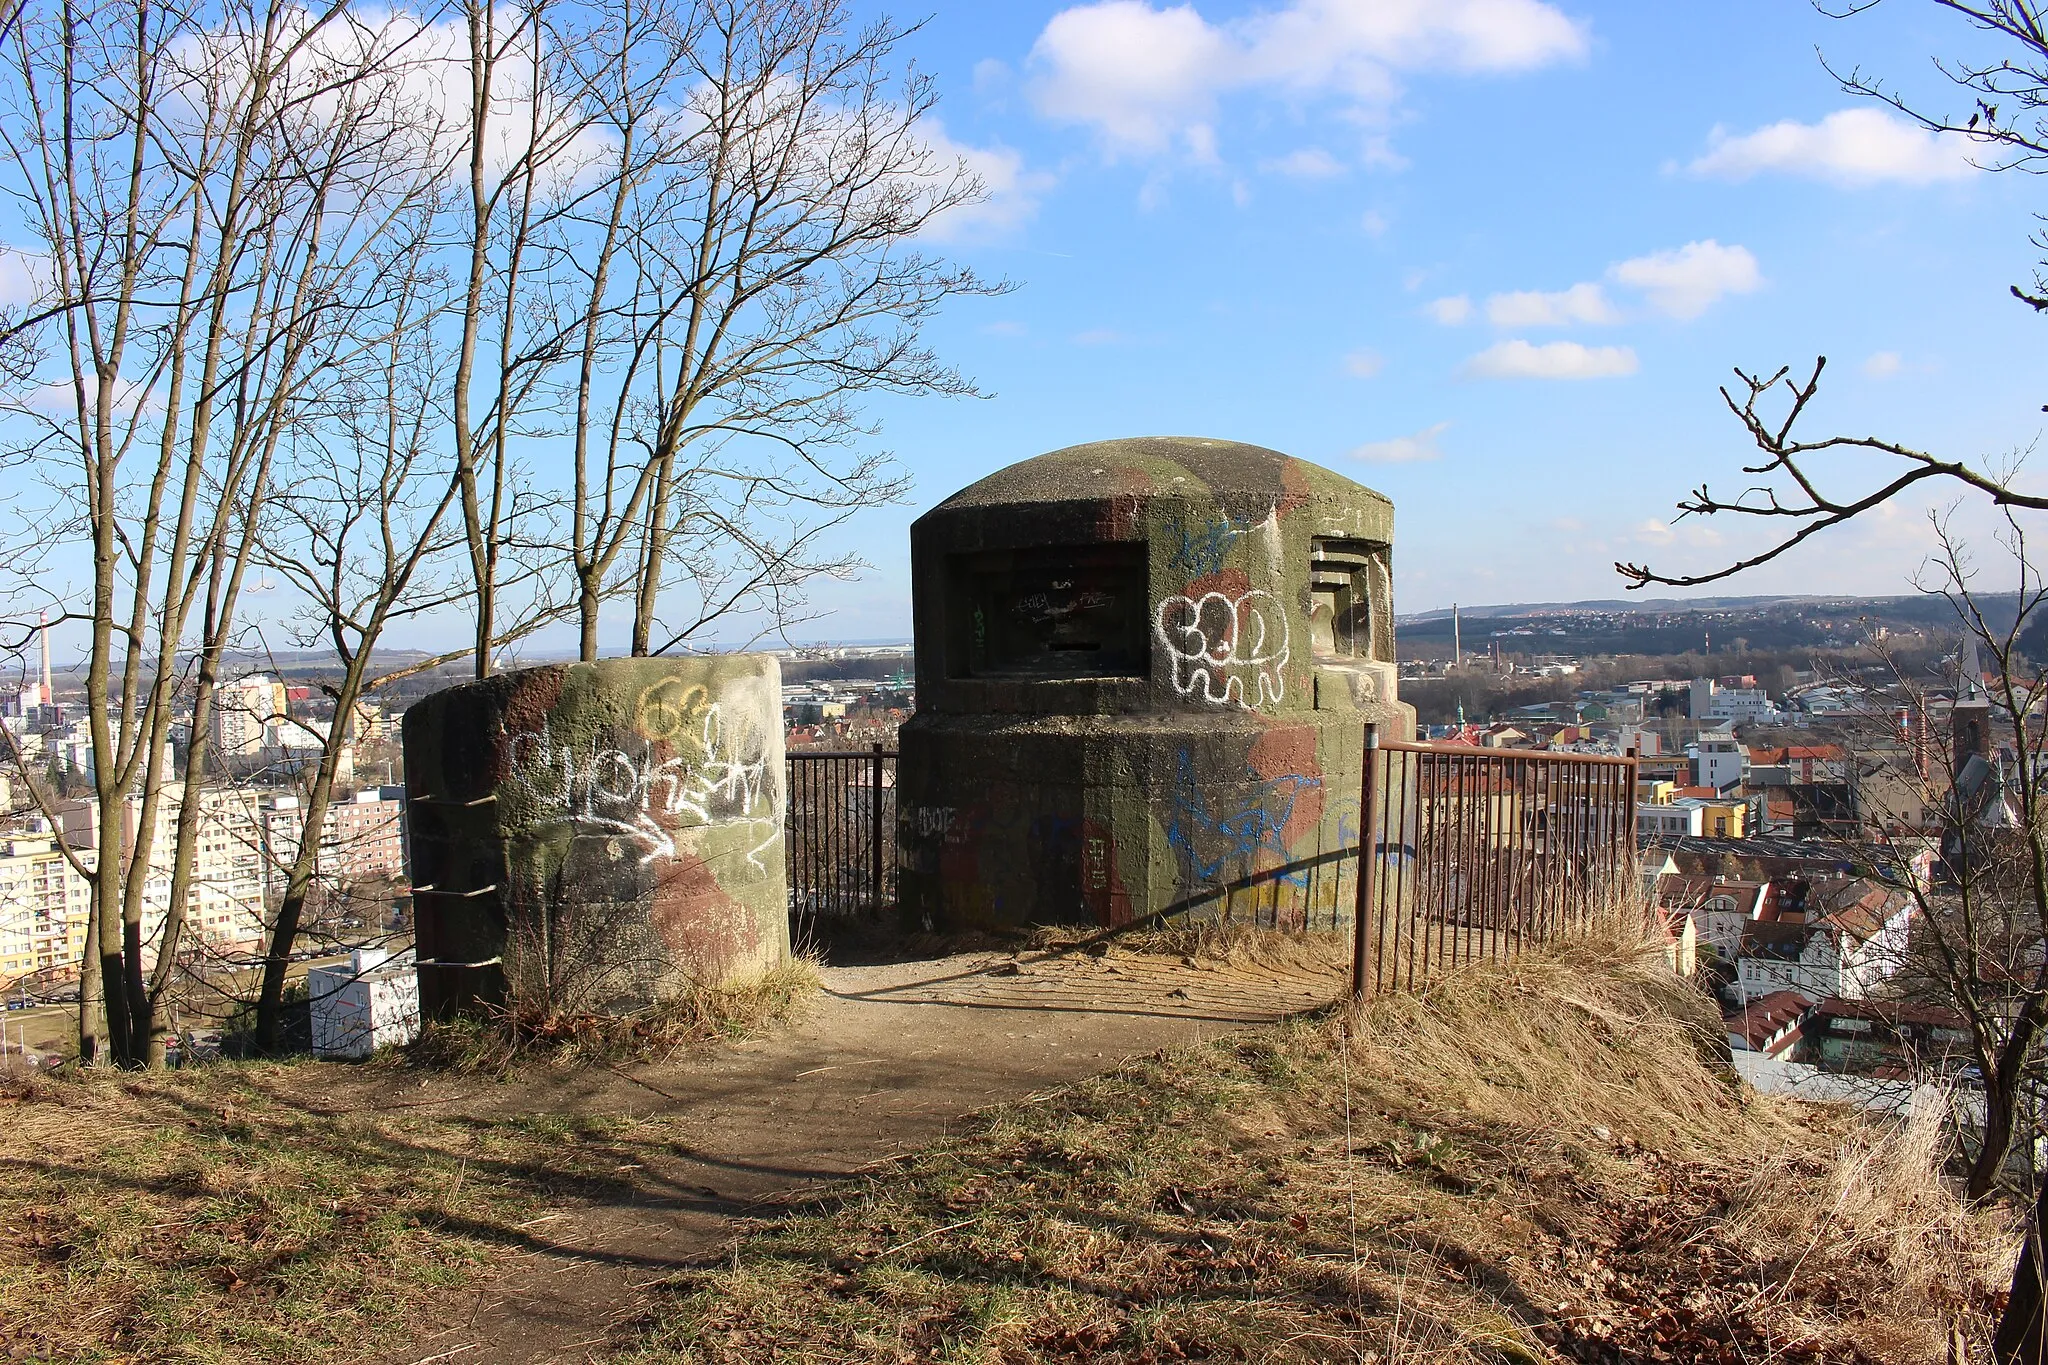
[[1290, 751], [1102, 887], [702, 925]]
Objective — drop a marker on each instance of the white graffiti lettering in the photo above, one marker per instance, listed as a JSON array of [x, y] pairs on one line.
[[1229, 651], [722, 779], [926, 821]]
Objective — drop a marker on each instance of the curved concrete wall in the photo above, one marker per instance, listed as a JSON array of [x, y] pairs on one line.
[[598, 836], [1144, 668]]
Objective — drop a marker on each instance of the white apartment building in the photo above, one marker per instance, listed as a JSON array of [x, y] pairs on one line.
[[224, 904], [1718, 761], [361, 838], [1666, 818], [247, 714], [1848, 951], [1742, 705], [43, 909]]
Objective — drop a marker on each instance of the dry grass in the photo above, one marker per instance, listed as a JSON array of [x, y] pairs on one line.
[[707, 1014], [1531, 1163], [299, 1212], [1222, 945], [206, 1216]]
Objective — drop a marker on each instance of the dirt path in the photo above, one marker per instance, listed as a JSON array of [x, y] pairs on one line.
[[890, 1060]]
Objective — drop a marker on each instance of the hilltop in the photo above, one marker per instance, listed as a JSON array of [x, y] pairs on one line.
[[1548, 1161]]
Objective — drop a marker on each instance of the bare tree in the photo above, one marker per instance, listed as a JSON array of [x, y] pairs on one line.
[[1962, 826], [790, 283], [526, 161], [216, 191], [360, 529], [741, 240]]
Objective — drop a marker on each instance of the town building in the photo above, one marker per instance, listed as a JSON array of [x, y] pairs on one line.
[[1719, 761], [1850, 938], [1885, 1037], [224, 905], [44, 905], [247, 714], [362, 836], [1771, 1025]]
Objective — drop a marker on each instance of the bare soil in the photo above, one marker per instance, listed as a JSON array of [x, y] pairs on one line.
[[892, 1057]]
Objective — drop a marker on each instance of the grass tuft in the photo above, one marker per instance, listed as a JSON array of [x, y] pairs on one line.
[[505, 1038]]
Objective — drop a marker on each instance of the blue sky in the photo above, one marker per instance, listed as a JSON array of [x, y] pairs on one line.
[[1491, 257]]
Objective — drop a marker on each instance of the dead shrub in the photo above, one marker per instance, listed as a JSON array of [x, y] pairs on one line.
[[500, 1039]]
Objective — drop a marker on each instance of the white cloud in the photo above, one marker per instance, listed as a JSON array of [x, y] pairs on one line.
[[1146, 79], [1450, 311], [1374, 223], [1140, 76], [991, 77], [1848, 147], [1363, 364], [1306, 163], [1580, 303], [1552, 360], [1404, 449], [1099, 336], [1011, 191], [1685, 282], [1883, 365]]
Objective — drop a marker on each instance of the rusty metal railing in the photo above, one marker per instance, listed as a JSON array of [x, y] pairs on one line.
[[1470, 854], [840, 830]]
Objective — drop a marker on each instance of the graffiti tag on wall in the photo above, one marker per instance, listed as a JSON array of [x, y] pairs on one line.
[[721, 778], [1226, 650], [1249, 822]]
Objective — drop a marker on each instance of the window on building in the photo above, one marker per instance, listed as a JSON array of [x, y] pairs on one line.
[[1341, 574], [1049, 612]]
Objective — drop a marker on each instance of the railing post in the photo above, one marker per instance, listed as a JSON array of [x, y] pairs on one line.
[[1368, 861], [875, 829]]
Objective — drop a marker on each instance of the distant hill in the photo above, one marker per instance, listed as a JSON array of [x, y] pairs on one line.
[[1657, 606], [1698, 625]]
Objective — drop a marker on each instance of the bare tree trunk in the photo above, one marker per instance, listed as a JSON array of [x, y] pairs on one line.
[[2022, 1337]]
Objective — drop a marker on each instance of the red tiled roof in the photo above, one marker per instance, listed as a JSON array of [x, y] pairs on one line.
[[1767, 1017], [1859, 908], [1892, 1012]]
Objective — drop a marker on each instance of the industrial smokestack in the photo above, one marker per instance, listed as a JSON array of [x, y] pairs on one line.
[[1457, 639], [49, 697]]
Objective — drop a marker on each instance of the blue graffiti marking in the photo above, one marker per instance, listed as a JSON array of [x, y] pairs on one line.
[[1259, 825], [1199, 551]]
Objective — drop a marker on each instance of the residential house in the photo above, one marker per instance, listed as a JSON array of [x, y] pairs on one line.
[[43, 910], [1771, 1025], [1851, 937], [224, 902], [1718, 761], [1721, 910], [362, 836], [1885, 1038]]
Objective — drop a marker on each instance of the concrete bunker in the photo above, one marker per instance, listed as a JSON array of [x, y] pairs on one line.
[[597, 837], [1143, 668]]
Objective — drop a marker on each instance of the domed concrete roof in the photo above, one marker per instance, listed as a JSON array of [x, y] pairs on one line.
[[1159, 466]]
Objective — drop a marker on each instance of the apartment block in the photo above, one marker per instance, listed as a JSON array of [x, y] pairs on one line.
[[43, 909], [224, 904]]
